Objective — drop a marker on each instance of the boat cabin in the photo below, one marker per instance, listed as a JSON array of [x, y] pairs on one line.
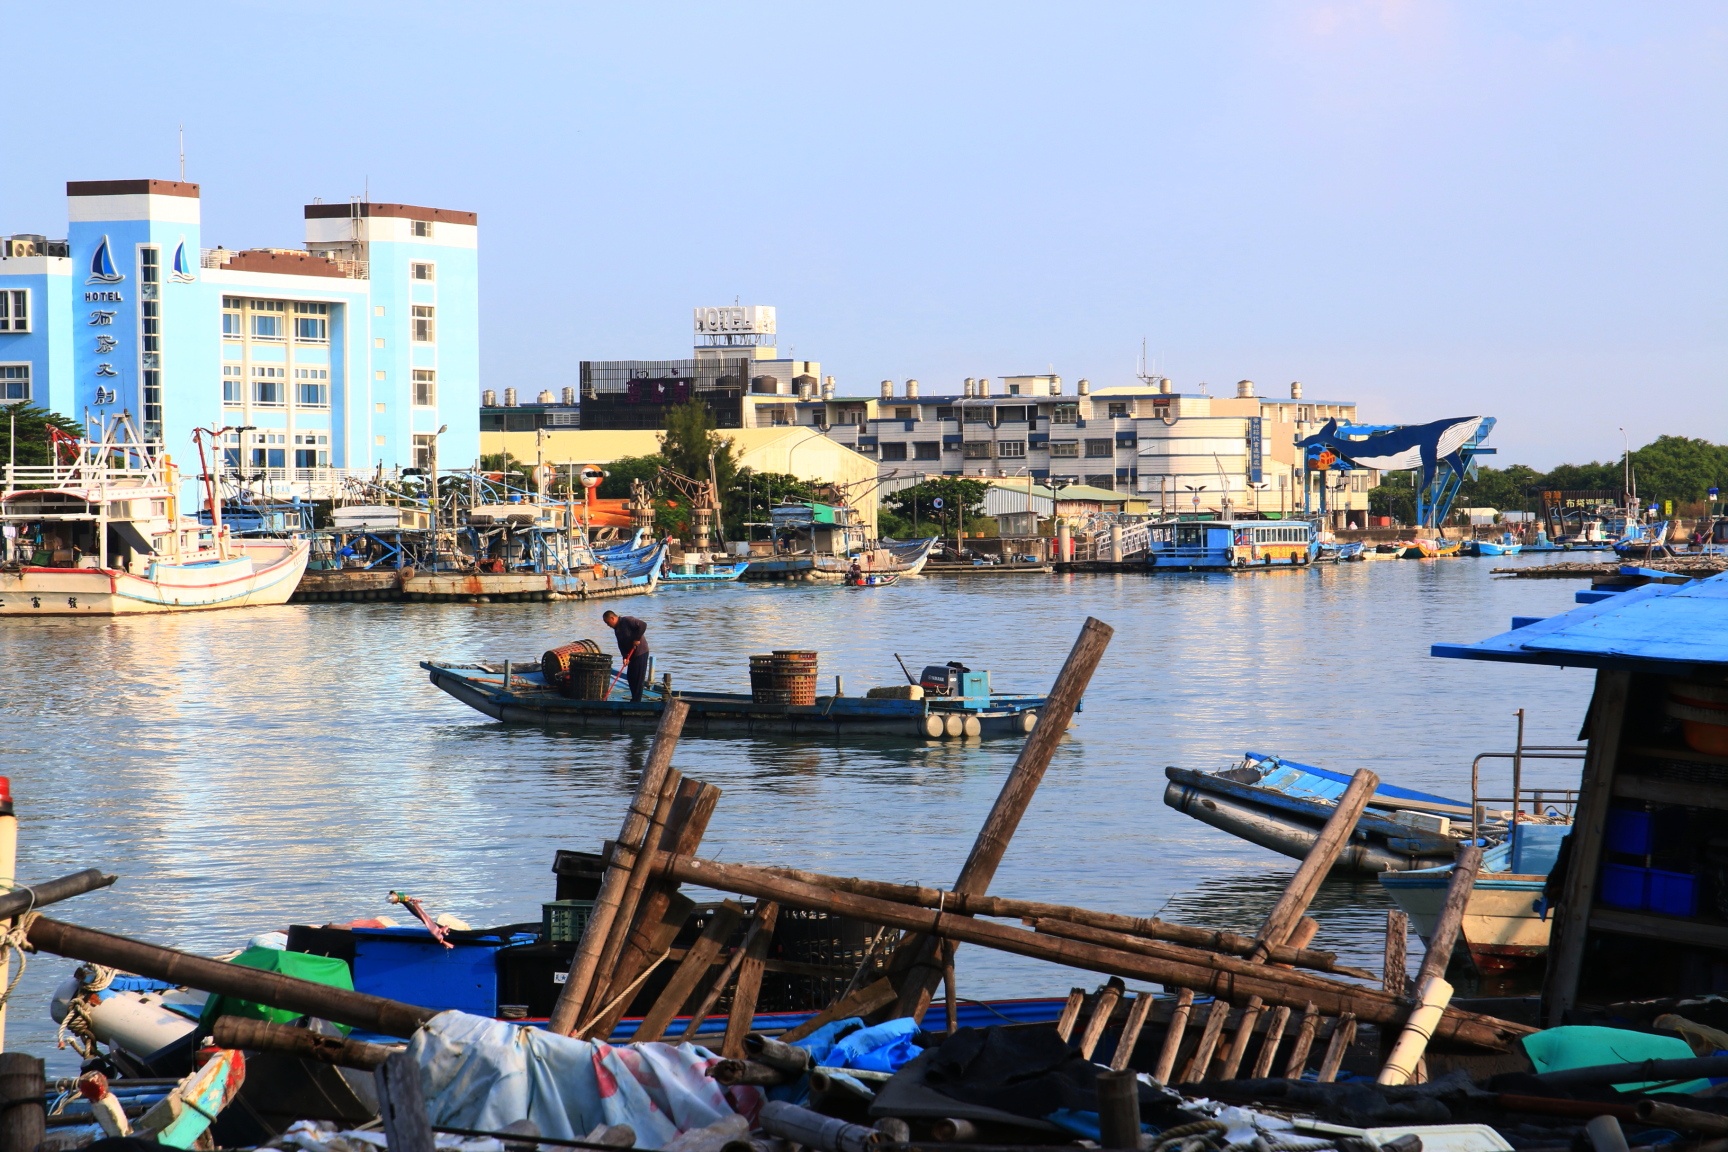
[[1221, 545]]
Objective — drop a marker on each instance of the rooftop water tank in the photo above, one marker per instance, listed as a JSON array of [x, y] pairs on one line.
[[488, 398], [911, 389], [509, 397], [1244, 389], [887, 389]]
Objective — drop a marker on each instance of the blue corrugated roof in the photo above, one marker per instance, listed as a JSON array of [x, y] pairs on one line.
[[1672, 628]]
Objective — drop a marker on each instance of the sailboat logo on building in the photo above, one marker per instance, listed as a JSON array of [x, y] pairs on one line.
[[182, 273], [102, 266]]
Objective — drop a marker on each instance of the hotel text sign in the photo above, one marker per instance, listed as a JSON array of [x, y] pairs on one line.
[[747, 319]]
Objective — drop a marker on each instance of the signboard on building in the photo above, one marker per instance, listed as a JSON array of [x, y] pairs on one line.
[[1255, 447], [736, 320]]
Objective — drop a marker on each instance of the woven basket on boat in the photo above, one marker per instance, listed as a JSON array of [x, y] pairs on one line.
[[579, 671], [783, 677]]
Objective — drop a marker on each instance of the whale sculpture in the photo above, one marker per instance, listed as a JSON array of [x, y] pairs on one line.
[[1417, 446]]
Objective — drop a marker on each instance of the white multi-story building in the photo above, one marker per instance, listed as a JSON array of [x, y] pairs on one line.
[[1177, 451]]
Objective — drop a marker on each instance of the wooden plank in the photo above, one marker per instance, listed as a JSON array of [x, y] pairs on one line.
[[635, 884], [1173, 1036], [1131, 1028], [1630, 787], [578, 985], [1606, 717], [1294, 901], [860, 1003], [1104, 1004], [1118, 1110], [951, 995], [1654, 926], [1202, 1058], [402, 1104], [690, 971], [1298, 1061], [920, 976], [749, 985], [1342, 1036], [1394, 977], [1239, 1042], [23, 1117], [1274, 1037], [1070, 1012]]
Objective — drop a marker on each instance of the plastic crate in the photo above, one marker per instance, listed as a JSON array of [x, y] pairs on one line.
[[562, 921], [1624, 886], [1628, 832], [408, 964], [1673, 893]]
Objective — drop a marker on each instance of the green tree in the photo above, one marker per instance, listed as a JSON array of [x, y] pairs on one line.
[[623, 470], [917, 504], [33, 424], [1510, 489], [1395, 497], [753, 494], [1679, 468], [689, 439]]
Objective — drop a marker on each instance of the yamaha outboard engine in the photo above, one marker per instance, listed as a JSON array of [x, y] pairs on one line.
[[942, 679]]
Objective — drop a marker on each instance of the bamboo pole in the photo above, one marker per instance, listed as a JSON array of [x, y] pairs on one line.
[[1451, 918], [266, 1036], [950, 995], [1274, 1036], [1393, 976], [749, 986], [1274, 985], [1298, 1062], [1173, 1036], [578, 985], [690, 971], [1300, 935], [1412, 1043], [1102, 1007], [683, 833], [717, 988], [1070, 1013], [338, 1005], [1001, 906], [1336, 833], [606, 967], [1131, 1028], [1159, 948], [1202, 1058], [919, 979], [1343, 1034]]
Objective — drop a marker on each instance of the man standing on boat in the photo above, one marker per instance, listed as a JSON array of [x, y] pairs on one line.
[[632, 637]]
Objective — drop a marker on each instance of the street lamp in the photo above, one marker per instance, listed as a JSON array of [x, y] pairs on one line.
[[1257, 485], [1195, 490]]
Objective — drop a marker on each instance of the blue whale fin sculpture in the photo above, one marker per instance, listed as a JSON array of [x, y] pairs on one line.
[[1417, 446]]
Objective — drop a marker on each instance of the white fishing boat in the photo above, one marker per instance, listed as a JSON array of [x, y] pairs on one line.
[[101, 534]]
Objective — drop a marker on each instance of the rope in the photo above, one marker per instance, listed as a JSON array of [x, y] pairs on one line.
[[1181, 1135], [78, 1030], [16, 936]]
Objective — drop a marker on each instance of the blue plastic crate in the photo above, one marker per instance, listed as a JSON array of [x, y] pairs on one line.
[[1629, 832], [1674, 893], [1625, 887], [407, 964]]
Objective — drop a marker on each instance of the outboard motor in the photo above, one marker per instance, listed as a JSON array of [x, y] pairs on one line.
[[942, 679]]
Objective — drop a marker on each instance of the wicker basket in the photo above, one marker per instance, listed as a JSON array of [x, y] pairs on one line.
[[783, 677], [579, 671]]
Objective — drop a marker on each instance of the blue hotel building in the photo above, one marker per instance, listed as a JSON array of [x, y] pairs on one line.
[[336, 358]]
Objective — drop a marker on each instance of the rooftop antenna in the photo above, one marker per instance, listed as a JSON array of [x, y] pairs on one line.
[[182, 153]]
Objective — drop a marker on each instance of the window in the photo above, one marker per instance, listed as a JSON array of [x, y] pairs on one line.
[[850, 416], [1097, 448], [231, 325], [421, 271], [1013, 389], [14, 381], [311, 323], [268, 387], [266, 326], [232, 385], [1127, 440], [902, 413], [425, 387], [15, 310], [312, 387], [149, 265], [1011, 449], [893, 450], [423, 323], [1065, 414], [945, 412], [422, 228], [865, 448], [152, 325], [316, 454], [975, 450], [1104, 480], [152, 403], [1064, 448], [1006, 415], [977, 415], [1118, 411], [927, 450], [423, 448]]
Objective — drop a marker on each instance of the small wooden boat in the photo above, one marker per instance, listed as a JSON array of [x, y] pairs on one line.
[[518, 693], [1506, 923], [871, 579], [1505, 546], [696, 569], [1281, 805]]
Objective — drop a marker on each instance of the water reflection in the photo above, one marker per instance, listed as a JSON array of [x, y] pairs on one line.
[[245, 770]]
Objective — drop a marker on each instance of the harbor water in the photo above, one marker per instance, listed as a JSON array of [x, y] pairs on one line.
[[245, 770]]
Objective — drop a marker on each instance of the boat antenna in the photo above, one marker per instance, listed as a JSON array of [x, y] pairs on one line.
[[908, 675]]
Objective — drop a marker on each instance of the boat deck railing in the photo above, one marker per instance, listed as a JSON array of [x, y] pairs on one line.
[[1566, 798]]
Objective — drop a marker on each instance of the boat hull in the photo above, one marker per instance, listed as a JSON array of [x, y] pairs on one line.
[[1284, 833], [262, 572], [1502, 926]]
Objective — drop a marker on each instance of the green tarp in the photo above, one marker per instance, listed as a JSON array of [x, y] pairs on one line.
[[319, 969], [1584, 1046]]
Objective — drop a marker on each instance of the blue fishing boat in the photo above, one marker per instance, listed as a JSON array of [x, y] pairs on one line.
[[695, 569], [871, 579], [1282, 805], [1507, 545], [1231, 545]]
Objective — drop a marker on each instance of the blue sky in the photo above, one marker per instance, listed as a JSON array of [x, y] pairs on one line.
[[1431, 208]]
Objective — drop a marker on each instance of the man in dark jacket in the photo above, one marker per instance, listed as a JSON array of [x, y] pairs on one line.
[[632, 637]]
